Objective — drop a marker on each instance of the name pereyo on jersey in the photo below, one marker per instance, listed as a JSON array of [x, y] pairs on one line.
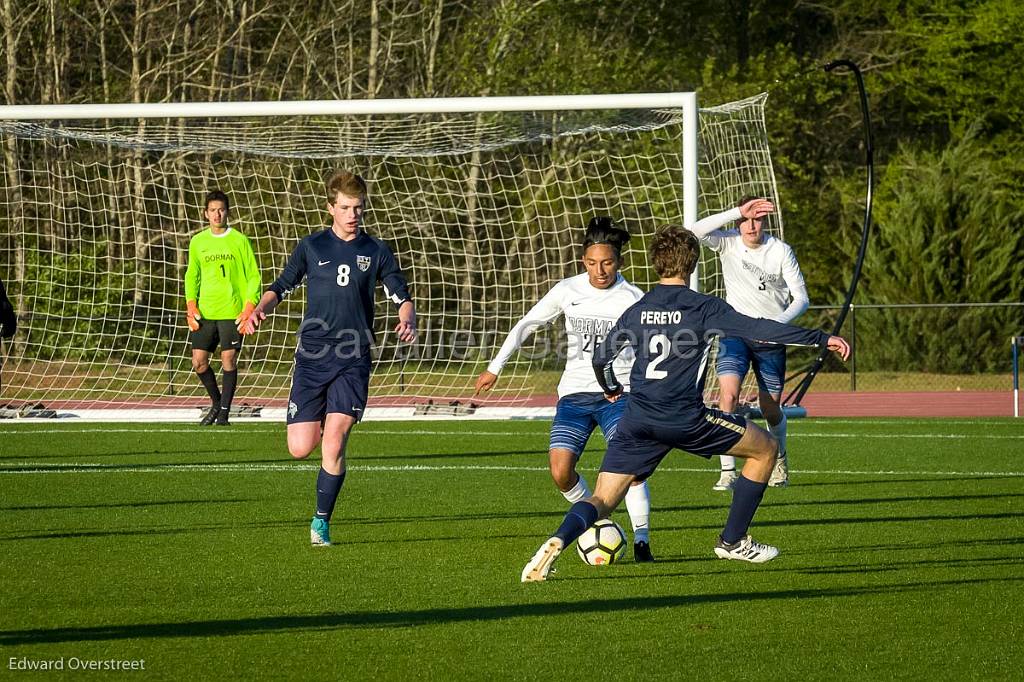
[[660, 317]]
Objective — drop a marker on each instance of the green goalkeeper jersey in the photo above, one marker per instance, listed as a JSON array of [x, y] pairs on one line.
[[222, 274]]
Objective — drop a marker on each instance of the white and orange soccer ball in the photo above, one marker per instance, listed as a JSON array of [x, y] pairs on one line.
[[603, 543]]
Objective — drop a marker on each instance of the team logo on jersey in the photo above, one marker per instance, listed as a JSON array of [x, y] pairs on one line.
[[363, 262], [765, 277]]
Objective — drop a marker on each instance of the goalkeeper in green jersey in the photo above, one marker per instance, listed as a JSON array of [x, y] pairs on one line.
[[222, 286]]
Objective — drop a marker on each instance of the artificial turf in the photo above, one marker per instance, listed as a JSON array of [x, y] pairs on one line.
[[186, 548]]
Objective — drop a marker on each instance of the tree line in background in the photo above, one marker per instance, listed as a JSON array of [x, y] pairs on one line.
[[940, 74]]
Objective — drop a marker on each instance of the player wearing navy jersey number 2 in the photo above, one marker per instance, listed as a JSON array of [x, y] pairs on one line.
[[341, 266], [762, 279], [590, 303], [669, 330]]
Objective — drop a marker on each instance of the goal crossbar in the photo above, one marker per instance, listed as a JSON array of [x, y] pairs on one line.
[[437, 105]]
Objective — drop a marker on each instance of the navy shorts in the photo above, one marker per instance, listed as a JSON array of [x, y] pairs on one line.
[[328, 384], [736, 356], [576, 416], [638, 447], [212, 333]]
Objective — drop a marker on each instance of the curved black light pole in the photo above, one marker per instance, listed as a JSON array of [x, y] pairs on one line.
[[797, 394]]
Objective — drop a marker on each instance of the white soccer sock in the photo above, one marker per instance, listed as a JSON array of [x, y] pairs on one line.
[[779, 431], [728, 462], [638, 504], [578, 491]]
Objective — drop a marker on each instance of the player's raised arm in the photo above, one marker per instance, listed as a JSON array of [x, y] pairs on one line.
[[546, 310], [706, 227]]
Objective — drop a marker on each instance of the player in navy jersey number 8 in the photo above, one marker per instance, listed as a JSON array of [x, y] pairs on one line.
[[591, 303], [669, 330], [341, 266]]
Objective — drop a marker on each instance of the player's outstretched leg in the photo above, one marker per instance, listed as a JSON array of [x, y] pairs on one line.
[[580, 516], [608, 492], [758, 448]]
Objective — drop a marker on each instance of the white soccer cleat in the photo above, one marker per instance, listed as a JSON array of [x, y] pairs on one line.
[[727, 480], [780, 474], [746, 549], [540, 565]]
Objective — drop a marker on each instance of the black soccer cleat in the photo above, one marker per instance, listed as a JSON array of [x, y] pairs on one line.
[[642, 553], [222, 416], [210, 416]]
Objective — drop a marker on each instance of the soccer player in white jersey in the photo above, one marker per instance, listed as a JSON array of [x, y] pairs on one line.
[[591, 303], [762, 279]]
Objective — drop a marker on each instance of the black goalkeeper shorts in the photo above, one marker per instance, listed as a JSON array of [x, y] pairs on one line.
[[214, 332]]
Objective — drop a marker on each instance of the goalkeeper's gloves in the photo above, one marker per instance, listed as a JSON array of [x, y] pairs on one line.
[[242, 321], [192, 316]]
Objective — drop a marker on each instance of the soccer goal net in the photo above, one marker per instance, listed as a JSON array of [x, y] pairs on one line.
[[484, 209]]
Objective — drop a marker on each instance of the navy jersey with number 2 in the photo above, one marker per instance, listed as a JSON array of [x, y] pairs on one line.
[[670, 329]]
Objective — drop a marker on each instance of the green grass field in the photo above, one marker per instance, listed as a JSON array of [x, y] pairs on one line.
[[902, 558]]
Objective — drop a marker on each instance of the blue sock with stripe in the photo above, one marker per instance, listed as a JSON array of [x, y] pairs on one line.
[[580, 517]]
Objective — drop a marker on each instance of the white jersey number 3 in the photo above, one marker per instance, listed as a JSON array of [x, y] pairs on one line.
[[660, 345], [343, 271]]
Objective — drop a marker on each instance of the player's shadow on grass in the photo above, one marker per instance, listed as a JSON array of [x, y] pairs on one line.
[[131, 505], [167, 452], [449, 518], [153, 531], [897, 479], [438, 616], [141, 466], [929, 546], [911, 564], [831, 520], [775, 502], [356, 459]]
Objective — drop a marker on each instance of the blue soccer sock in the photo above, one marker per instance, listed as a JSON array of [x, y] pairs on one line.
[[327, 488], [580, 517], [746, 496]]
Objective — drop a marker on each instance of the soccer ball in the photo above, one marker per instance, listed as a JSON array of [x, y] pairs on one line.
[[602, 543]]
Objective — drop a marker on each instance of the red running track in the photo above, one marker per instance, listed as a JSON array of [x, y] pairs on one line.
[[842, 404]]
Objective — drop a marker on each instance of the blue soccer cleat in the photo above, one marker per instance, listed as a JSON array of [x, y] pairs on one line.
[[319, 533]]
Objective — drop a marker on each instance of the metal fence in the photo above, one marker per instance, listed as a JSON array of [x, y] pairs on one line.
[[917, 347]]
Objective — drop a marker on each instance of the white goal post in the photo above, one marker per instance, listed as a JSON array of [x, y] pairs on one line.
[[483, 201]]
